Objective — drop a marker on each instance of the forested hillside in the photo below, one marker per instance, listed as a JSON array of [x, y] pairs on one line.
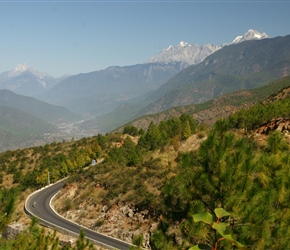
[[218, 187]]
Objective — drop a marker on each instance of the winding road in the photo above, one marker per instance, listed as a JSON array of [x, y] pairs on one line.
[[50, 218]]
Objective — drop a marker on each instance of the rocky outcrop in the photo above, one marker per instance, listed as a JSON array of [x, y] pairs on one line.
[[13, 230], [280, 124], [122, 221]]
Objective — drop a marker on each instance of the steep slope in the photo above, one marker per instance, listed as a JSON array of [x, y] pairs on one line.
[[220, 107], [239, 66], [36, 108], [100, 197]]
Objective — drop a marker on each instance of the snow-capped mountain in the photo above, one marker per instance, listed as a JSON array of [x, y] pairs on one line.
[[185, 52], [20, 68], [250, 35], [25, 80], [189, 54]]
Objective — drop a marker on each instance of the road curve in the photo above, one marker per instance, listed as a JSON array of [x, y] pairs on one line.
[[48, 217]]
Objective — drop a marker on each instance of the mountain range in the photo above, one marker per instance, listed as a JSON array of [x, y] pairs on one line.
[[185, 53], [108, 98], [188, 54], [244, 65], [100, 92]]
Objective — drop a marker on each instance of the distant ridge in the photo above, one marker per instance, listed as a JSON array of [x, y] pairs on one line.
[[189, 54], [25, 80]]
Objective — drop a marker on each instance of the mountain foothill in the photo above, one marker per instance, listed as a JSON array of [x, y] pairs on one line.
[[101, 101]]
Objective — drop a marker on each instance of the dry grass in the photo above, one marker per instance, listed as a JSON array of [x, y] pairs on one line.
[[192, 143], [86, 197]]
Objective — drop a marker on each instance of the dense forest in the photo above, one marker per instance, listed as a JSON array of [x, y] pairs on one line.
[[231, 192]]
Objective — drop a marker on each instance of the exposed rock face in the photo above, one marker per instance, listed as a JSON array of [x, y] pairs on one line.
[[13, 230], [121, 221], [125, 222], [280, 125]]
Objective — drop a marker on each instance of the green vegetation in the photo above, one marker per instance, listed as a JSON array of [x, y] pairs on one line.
[[8, 198], [35, 237], [238, 99], [260, 113], [230, 192], [219, 227], [28, 168], [234, 173]]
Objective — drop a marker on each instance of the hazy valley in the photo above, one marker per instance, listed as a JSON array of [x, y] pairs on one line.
[[101, 101]]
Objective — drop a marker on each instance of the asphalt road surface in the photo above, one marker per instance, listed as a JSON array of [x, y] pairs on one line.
[[45, 213]]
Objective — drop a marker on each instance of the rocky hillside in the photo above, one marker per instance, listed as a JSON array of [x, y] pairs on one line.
[[119, 218]]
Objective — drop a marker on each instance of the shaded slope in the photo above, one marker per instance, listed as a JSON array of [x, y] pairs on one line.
[[35, 107], [19, 129], [220, 107]]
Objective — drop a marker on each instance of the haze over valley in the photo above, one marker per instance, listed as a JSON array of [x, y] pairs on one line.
[[98, 102]]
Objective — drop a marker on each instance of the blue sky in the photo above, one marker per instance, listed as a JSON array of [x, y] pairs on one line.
[[71, 37]]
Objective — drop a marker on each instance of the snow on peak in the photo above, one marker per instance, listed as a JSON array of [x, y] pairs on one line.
[[182, 44], [184, 53], [237, 39], [188, 54], [21, 67], [250, 35]]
